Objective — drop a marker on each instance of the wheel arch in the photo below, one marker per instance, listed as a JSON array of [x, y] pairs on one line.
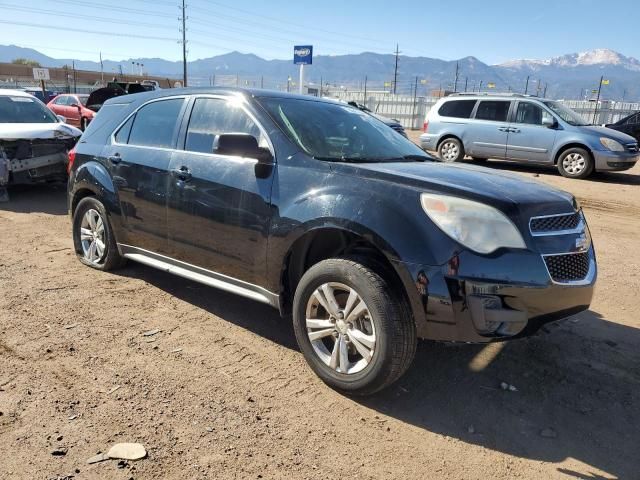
[[568, 146]]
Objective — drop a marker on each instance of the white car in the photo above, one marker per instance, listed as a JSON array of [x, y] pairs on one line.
[[33, 141]]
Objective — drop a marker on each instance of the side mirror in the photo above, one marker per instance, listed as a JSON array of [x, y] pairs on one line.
[[241, 145], [549, 122], [62, 119]]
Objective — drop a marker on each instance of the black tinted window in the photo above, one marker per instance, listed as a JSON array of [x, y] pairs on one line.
[[122, 135], [155, 123], [529, 113], [213, 116], [493, 110], [457, 108]]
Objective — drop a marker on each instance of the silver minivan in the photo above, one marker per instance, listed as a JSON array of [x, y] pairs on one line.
[[526, 130]]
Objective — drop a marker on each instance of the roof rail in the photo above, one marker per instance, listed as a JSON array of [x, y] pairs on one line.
[[490, 94]]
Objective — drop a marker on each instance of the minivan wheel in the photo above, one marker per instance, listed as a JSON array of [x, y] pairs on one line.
[[451, 150], [575, 163], [354, 332], [93, 237]]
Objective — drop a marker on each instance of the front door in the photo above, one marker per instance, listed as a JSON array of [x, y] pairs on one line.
[[219, 206], [139, 158], [487, 133], [529, 139]]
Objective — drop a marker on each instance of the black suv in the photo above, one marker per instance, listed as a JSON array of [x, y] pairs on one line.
[[322, 211]]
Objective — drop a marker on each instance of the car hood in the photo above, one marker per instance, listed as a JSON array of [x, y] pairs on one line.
[[503, 190], [32, 131], [610, 133]]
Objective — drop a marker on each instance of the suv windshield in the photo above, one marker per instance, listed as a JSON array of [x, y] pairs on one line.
[[566, 114], [24, 110], [335, 132]]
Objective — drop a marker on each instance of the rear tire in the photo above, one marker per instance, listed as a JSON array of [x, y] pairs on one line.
[[93, 238], [575, 163], [451, 150], [367, 322]]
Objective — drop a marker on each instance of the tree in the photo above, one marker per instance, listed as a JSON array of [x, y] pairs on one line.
[[25, 61]]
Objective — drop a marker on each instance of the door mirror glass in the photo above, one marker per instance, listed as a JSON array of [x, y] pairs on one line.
[[548, 121], [240, 145]]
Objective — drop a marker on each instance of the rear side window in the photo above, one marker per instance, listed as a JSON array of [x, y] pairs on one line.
[[62, 100], [214, 116], [493, 110], [155, 123], [457, 108], [122, 136]]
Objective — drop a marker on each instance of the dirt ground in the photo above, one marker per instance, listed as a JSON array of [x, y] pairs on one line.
[[223, 392]]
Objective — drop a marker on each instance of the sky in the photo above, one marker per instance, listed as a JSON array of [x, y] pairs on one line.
[[493, 31]]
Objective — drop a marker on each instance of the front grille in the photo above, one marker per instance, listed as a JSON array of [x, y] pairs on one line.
[[571, 267], [632, 147], [555, 223]]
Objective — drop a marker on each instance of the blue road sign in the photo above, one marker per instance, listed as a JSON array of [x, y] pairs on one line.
[[303, 54]]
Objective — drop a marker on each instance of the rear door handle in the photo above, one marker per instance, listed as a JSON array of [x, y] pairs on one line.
[[183, 173], [503, 129], [514, 130], [115, 158]]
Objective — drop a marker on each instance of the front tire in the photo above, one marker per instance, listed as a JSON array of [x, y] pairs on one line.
[[575, 163], [93, 238], [451, 150], [353, 331]]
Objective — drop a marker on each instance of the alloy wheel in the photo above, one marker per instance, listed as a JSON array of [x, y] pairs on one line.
[[449, 151], [574, 163], [92, 236], [340, 328]]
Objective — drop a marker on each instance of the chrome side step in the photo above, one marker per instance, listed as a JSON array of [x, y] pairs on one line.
[[200, 275]]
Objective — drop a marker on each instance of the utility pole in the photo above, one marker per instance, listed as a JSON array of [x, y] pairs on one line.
[[595, 111], [73, 64], [466, 82], [320, 86], [364, 100], [184, 44], [395, 73], [544, 95], [413, 110], [538, 87], [455, 83], [526, 88], [101, 70], [480, 87]]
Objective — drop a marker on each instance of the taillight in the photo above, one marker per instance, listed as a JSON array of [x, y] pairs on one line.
[[425, 127], [72, 158]]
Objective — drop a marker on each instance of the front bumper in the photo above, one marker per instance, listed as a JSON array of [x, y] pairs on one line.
[[483, 299], [614, 161]]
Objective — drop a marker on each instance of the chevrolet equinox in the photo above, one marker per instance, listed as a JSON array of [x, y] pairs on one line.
[[323, 212]]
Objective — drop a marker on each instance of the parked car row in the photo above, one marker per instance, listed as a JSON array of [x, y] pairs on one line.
[[527, 130], [324, 212]]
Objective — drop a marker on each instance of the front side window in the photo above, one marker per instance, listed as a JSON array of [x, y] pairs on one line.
[[24, 110], [61, 100], [566, 114], [211, 117], [340, 133], [154, 124], [494, 110], [457, 108], [531, 114]]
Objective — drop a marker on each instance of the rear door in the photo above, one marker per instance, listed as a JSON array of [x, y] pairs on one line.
[[139, 158], [487, 133], [219, 205], [529, 139]]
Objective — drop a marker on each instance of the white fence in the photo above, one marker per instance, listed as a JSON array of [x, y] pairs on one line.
[[411, 111]]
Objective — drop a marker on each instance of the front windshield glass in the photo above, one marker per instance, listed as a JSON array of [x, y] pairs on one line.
[[24, 110], [336, 132], [566, 114]]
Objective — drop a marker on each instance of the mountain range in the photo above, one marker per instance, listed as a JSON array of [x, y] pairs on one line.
[[568, 76]]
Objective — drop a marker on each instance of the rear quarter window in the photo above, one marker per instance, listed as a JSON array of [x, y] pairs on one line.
[[457, 108]]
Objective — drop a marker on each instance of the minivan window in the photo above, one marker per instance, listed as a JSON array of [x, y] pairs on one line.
[[457, 108], [531, 114], [566, 114], [495, 110], [155, 123], [215, 116]]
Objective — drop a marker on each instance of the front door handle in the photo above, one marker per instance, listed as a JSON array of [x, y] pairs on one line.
[[115, 158], [503, 129], [183, 173]]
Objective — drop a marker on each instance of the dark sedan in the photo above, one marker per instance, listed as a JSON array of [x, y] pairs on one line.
[[629, 125]]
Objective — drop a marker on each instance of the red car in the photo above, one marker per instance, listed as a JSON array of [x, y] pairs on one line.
[[74, 108]]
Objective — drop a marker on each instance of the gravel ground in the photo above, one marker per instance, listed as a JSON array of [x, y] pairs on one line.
[[222, 391]]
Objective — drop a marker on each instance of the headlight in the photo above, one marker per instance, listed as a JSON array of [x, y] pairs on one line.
[[611, 144], [477, 226]]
